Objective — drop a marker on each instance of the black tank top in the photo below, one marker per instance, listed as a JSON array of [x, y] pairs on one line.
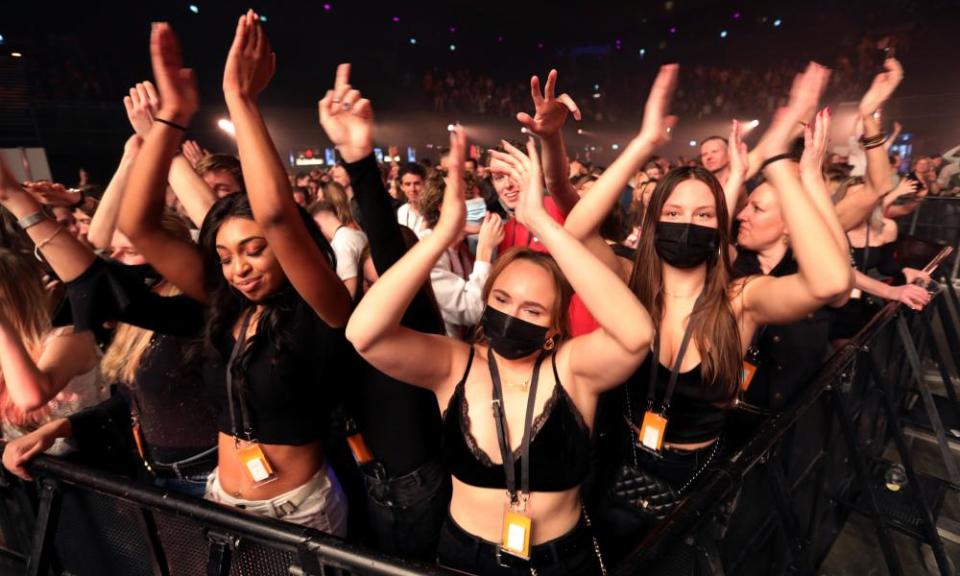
[[559, 446]]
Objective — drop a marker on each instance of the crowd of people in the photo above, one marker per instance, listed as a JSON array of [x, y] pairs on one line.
[[514, 348], [709, 91]]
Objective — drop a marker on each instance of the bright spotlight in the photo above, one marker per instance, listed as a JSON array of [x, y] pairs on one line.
[[226, 126], [580, 131], [693, 143], [451, 127], [194, 9]]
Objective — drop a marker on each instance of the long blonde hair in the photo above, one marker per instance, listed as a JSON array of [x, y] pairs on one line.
[[122, 359], [26, 305]]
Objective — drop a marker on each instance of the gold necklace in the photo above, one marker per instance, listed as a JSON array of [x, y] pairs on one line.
[[525, 385]]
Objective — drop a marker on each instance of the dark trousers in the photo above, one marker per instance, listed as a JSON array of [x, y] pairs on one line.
[[573, 553], [405, 513]]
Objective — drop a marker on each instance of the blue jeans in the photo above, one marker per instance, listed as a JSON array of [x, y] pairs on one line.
[[406, 513], [193, 486]]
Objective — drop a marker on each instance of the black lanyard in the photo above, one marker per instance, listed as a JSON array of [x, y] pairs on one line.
[[244, 413], [503, 437], [674, 371]]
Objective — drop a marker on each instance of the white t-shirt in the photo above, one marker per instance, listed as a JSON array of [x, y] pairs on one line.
[[411, 219], [348, 245]]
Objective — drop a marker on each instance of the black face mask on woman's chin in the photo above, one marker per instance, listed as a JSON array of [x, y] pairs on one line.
[[145, 273], [684, 245], [510, 336]]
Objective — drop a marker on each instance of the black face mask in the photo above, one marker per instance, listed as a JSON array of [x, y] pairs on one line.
[[145, 272], [511, 337], [686, 245]]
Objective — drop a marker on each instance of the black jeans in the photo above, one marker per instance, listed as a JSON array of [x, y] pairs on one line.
[[573, 553], [406, 513]]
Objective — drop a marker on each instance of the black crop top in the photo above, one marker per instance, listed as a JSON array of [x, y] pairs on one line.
[[289, 395], [694, 415], [559, 445]]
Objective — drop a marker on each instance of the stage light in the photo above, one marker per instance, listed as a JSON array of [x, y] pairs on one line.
[[596, 87], [327, 7], [16, 54], [500, 38], [194, 8], [753, 123], [453, 47], [723, 33], [643, 52], [673, 29], [263, 18], [226, 126], [596, 94], [615, 146], [539, 44], [777, 23], [693, 143], [736, 15], [580, 131], [396, 18], [451, 127], [413, 41], [1, 38], [523, 130], [453, 29]]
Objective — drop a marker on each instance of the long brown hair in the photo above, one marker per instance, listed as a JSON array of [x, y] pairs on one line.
[[715, 325], [559, 314], [336, 195], [25, 303]]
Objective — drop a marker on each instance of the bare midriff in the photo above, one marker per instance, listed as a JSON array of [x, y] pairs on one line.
[[293, 465]]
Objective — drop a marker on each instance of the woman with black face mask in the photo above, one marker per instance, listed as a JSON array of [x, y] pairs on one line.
[[516, 478], [664, 424]]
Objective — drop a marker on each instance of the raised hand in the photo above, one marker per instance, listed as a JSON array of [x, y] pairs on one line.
[[657, 122], [347, 118], [491, 235], [737, 152], [525, 170], [52, 193], [176, 85], [816, 140], [804, 95], [193, 152], [882, 87], [251, 61], [550, 111], [141, 106], [453, 209]]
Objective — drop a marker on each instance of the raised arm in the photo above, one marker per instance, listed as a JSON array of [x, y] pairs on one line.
[[177, 260], [194, 194], [816, 141], [739, 164], [420, 359], [32, 384], [593, 208], [65, 254], [878, 164], [550, 114], [104, 220], [250, 66], [605, 357], [824, 268]]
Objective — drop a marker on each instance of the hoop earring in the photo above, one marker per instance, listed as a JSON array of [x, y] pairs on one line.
[[549, 344]]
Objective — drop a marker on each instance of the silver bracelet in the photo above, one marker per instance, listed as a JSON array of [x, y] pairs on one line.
[[31, 219], [43, 243]]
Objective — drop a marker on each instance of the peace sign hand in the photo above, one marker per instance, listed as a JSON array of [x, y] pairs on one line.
[[550, 111], [347, 118]]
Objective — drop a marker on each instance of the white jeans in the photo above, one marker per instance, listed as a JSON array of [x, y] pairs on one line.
[[318, 503]]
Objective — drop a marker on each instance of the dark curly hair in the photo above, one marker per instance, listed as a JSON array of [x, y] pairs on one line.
[[227, 304]]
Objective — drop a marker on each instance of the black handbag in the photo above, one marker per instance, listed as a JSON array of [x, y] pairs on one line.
[[646, 493]]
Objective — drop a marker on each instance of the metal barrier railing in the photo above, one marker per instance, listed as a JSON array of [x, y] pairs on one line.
[[84, 521], [937, 219]]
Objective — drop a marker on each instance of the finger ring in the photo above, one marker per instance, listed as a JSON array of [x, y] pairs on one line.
[[346, 105], [335, 101]]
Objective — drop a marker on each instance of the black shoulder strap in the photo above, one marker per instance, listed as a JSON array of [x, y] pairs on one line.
[[244, 414]]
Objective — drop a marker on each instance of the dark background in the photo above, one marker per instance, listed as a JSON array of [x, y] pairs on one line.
[[79, 59]]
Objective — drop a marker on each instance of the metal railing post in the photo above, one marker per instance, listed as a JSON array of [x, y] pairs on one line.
[[48, 514]]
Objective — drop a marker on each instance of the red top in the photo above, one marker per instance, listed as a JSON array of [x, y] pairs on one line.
[[516, 234]]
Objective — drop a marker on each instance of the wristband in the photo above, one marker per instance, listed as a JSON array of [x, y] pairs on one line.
[[772, 159], [79, 203], [31, 219], [171, 124]]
